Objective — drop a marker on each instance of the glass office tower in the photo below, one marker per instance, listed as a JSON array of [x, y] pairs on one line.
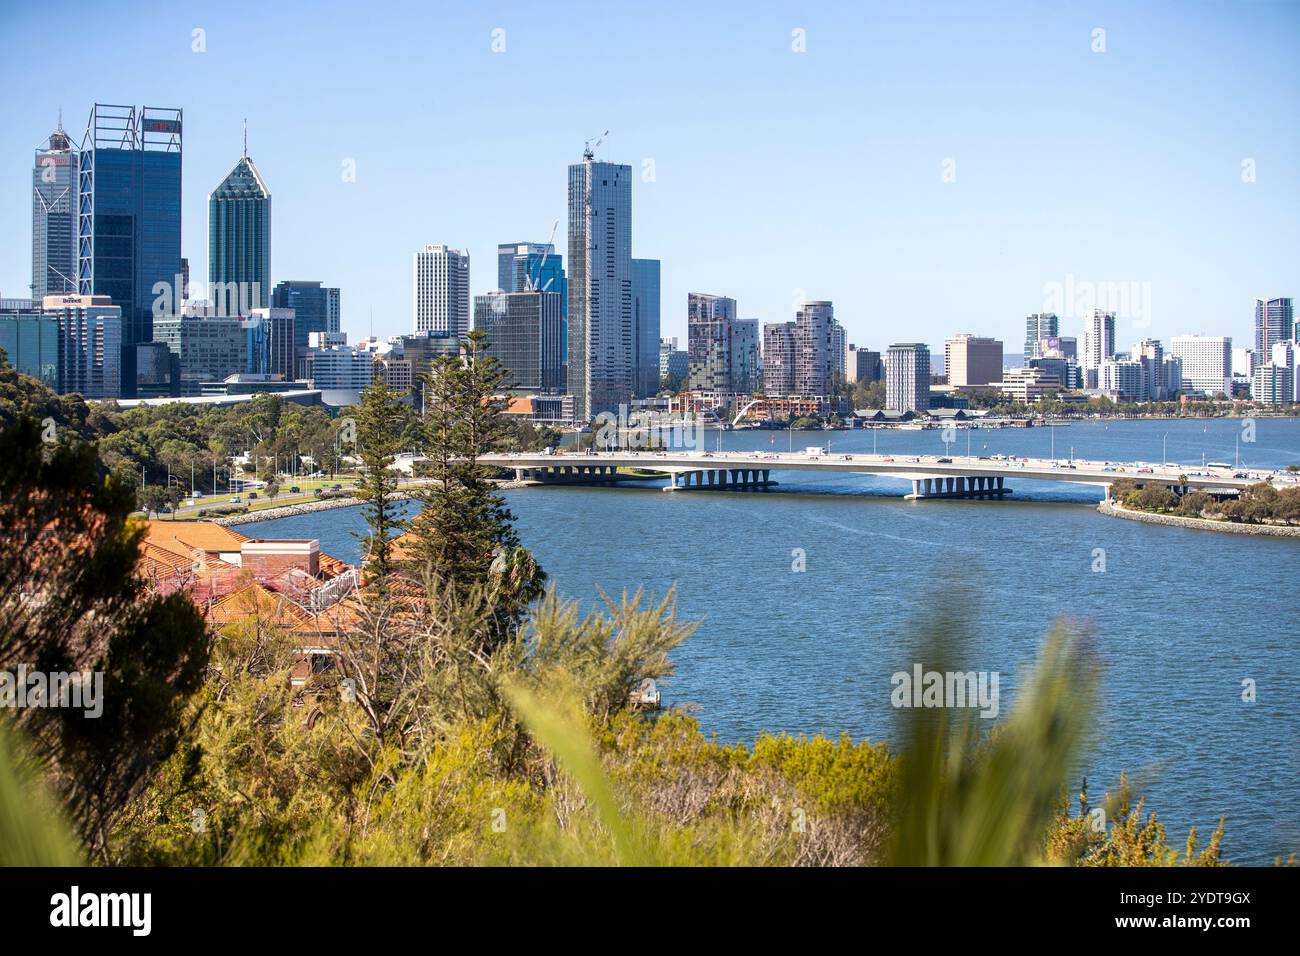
[[315, 308], [129, 218], [54, 218], [645, 326], [239, 241]]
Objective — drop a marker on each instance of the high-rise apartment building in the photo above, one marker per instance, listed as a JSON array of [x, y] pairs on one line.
[[1274, 322], [709, 321], [907, 377], [818, 349], [779, 359], [1039, 326], [602, 352], [90, 344], [239, 241], [862, 365], [441, 290], [645, 327], [54, 218], [972, 360], [315, 308], [673, 361], [523, 330], [129, 217], [1098, 339], [1206, 361]]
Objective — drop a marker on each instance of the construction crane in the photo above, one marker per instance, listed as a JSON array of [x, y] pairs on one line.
[[530, 283], [589, 148]]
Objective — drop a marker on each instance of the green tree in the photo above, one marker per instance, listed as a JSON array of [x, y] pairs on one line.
[[71, 602], [379, 421]]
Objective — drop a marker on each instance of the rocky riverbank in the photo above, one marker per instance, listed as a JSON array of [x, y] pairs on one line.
[[327, 504], [1116, 510]]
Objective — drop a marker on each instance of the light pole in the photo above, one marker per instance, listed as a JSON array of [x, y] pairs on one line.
[[1164, 454]]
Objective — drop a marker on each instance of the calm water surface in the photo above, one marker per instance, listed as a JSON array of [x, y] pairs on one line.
[[1181, 617]]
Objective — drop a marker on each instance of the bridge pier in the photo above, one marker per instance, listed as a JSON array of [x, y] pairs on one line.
[[957, 486], [725, 479]]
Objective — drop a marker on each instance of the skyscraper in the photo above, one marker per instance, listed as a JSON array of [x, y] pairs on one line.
[[907, 377], [1039, 326], [709, 321], [645, 327], [315, 307], [602, 354], [746, 358], [1098, 339], [54, 218], [441, 290], [129, 217], [778, 359], [523, 331], [1274, 322], [818, 349], [239, 241]]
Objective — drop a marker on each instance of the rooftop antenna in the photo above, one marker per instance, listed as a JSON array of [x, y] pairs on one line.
[[245, 137], [589, 148]]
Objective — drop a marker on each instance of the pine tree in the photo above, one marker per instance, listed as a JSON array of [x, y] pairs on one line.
[[379, 422], [466, 539]]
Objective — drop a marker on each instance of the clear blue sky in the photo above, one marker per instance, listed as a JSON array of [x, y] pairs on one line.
[[775, 172]]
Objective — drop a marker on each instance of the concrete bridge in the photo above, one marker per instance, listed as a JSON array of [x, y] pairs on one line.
[[931, 476]]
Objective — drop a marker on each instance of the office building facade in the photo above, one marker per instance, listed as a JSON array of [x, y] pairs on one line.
[[30, 340], [129, 218], [972, 360], [441, 290], [1039, 326], [315, 307], [645, 327], [523, 330], [1274, 322], [1206, 363], [54, 218], [239, 241], [709, 320]]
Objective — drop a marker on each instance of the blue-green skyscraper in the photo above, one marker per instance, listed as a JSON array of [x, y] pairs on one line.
[[239, 241]]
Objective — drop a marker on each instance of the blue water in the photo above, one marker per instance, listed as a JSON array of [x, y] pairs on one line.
[[1180, 617]]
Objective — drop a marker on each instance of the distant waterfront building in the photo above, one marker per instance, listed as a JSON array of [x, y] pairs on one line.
[[1206, 363], [1030, 385], [673, 361], [972, 360], [1274, 322], [54, 218], [818, 349], [746, 357], [709, 320], [523, 330], [339, 367], [602, 353], [1039, 326], [778, 359], [316, 308], [30, 340], [129, 218], [907, 377], [1125, 379], [206, 349], [441, 290], [535, 265], [1156, 370], [90, 344], [862, 365], [239, 241], [645, 327], [1098, 339]]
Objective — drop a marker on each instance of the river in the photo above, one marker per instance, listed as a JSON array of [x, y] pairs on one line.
[[1181, 617]]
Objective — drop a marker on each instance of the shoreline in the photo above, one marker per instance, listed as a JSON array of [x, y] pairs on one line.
[[1114, 510], [310, 507]]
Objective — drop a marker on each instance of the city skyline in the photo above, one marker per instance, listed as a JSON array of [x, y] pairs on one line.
[[1023, 210]]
